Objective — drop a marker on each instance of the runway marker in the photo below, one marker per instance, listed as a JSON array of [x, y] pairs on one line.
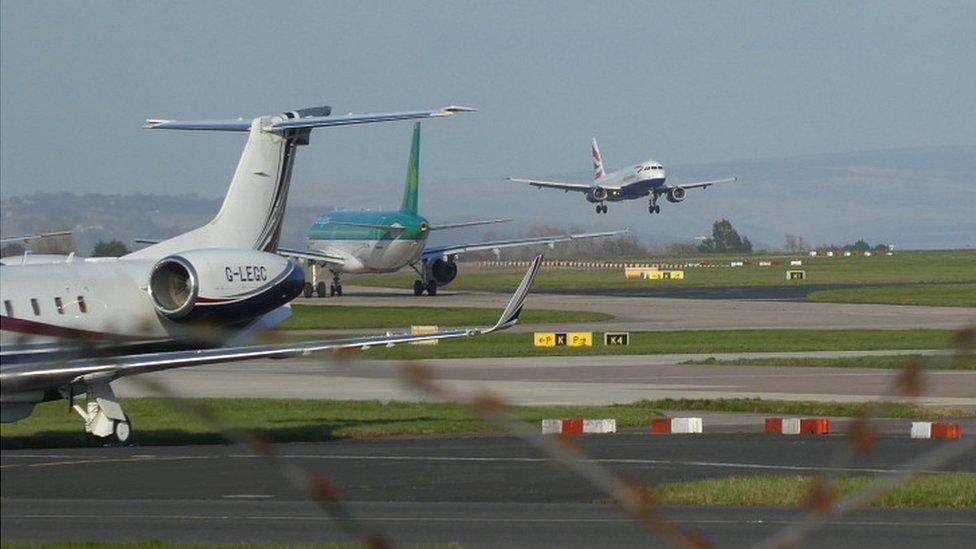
[[676, 425], [796, 426], [943, 430], [575, 426]]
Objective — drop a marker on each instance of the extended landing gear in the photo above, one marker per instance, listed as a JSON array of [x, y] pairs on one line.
[[653, 208], [324, 290], [419, 286], [103, 416], [308, 290], [601, 208], [336, 287]]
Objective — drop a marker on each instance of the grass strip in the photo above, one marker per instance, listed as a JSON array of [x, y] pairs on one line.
[[330, 317], [805, 407], [949, 490], [942, 295], [159, 421], [882, 361], [902, 267], [521, 344]]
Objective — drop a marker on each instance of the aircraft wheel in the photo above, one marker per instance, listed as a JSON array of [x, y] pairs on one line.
[[122, 430], [338, 290], [308, 290], [599, 209], [321, 290], [431, 288], [418, 287], [657, 209], [332, 290]]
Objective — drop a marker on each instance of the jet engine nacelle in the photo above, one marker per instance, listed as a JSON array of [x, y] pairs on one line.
[[597, 194], [443, 271], [225, 286], [676, 194]]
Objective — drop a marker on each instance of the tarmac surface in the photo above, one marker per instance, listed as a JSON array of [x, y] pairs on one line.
[[481, 491], [584, 380], [636, 313]]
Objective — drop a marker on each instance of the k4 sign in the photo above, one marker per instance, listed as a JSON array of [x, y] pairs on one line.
[[615, 339]]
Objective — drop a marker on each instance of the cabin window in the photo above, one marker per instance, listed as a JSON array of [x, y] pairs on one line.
[[82, 306], [36, 306], [59, 304], [8, 307]]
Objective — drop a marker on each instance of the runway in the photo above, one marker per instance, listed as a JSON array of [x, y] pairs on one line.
[[597, 380], [481, 491], [636, 313]]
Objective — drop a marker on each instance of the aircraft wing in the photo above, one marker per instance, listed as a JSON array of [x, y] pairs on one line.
[[702, 185], [444, 251], [243, 125], [311, 255], [578, 187], [29, 377], [29, 237], [469, 224]]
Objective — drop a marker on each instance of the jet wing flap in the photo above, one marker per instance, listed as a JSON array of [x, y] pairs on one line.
[[443, 251], [311, 255], [578, 187], [703, 184], [39, 376]]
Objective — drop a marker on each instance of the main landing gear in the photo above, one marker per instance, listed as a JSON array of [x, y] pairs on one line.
[[653, 208], [601, 208], [419, 286], [323, 290], [104, 418]]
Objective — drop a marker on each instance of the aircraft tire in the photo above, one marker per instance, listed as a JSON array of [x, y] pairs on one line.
[[122, 430], [321, 290], [418, 287], [431, 288], [308, 290], [339, 290]]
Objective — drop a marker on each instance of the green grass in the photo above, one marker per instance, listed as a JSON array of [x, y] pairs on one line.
[[803, 407], [160, 421], [324, 317], [885, 361], [902, 267], [949, 490], [519, 344], [944, 295]]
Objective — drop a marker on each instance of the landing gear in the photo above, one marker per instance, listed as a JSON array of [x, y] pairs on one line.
[[431, 288], [308, 290], [336, 287], [601, 208], [321, 290], [418, 287], [652, 207], [103, 416]]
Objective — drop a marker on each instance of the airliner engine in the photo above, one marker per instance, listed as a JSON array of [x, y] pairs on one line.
[[225, 286], [676, 194]]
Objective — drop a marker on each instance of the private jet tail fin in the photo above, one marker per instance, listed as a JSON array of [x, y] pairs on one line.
[[598, 170], [252, 212], [411, 188]]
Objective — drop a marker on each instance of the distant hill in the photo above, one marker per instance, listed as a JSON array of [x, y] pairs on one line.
[[912, 198]]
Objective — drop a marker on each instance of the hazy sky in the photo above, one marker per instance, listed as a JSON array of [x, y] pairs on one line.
[[686, 82]]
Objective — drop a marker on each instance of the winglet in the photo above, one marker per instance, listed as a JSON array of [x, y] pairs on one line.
[[511, 313]]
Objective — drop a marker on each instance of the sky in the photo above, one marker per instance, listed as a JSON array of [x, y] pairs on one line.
[[683, 82]]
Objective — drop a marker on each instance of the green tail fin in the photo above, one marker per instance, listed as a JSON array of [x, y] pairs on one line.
[[410, 190]]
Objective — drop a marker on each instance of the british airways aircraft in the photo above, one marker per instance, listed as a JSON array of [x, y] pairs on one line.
[[644, 179], [215, 287]]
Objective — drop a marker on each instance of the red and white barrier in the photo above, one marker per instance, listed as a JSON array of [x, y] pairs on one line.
[[575, 426], [676, 425], [929, 429], [797, 426]]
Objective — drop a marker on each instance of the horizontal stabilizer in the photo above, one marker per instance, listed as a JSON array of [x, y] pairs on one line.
[[301, 119], [311, 255]]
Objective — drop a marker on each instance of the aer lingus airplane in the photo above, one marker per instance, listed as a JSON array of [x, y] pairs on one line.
[[386, 241], [644, 179], [215, 285]]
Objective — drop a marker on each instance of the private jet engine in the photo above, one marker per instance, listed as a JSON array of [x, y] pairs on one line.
[[223, 286], [597, 194], [441, 270], [676, 194]]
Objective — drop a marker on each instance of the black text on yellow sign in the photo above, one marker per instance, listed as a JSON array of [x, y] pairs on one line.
[[561, 339], [615, 339]]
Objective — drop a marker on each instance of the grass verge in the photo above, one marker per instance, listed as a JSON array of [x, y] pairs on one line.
[[949, 490], [328, 317], [943, 295], [160, 421], [886, 361], [520, 344]]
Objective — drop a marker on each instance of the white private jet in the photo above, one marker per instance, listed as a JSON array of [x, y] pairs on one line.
[[222, 275], [646, 178]]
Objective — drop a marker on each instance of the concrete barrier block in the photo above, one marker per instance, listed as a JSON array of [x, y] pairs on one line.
[[921, 429], [600, 426]]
